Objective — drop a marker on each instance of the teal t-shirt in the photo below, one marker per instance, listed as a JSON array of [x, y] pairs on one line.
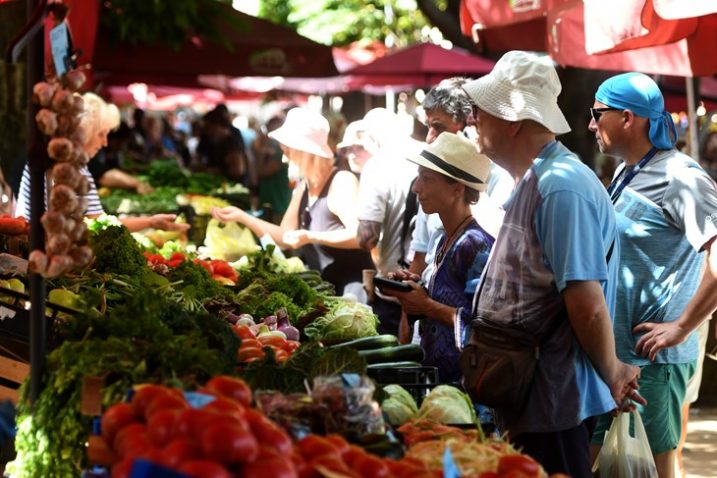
[[665, 216]]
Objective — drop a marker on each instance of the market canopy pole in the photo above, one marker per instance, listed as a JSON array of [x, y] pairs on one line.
[[37, 160]]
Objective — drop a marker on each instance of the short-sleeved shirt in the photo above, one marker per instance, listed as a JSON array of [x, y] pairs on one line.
[[385, 182], [94, 206], [558, 227], [665, 215], [429, 228]]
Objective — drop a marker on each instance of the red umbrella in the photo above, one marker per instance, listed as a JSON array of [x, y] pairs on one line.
[[259, 48], [420, 65]]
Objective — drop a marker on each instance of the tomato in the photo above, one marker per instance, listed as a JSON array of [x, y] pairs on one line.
[[165, 402], [271, 340], [339, 442], [223, 269], [329, 462], [313, 445], [231, 387], [206, 265], [204, 469], [225, 406], [246, 353], [399, 469], [115, 418], [178, 451], [269, 468], [280, 355], [291, 345], [191, 422], [122, 469], [228, 443], [371, 466], [160, 426], [250, 343], [129, 435], [243, 332], [489, 474], [268, 432], [522, 463], [353, 454], [144, 394]]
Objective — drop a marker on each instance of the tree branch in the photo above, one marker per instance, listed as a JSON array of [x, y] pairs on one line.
[[448, 21]]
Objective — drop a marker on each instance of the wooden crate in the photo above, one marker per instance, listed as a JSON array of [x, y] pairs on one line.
[[12, 372]]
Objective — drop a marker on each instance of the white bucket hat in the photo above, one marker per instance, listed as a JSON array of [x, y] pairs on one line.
[[304, 130], [521, 86], [352, 135], [455, 156]]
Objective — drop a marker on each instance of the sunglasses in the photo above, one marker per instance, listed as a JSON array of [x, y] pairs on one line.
[[596, 113]]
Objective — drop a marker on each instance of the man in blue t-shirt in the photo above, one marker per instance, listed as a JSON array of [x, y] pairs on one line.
[[553, 267], [667, 223]]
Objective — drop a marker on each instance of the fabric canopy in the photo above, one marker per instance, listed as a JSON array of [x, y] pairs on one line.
[[619, 25], [420, 65], [259, 48]]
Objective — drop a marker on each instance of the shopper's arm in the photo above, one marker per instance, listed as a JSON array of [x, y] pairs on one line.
[[590, 320], [369, 232], [118, 179], [700, 308]]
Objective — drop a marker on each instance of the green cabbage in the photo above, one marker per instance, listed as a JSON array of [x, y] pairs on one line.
[[448, 405], [346, 320], [399, 406]]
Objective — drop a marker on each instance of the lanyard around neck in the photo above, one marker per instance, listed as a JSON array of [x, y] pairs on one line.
[[615, 189]]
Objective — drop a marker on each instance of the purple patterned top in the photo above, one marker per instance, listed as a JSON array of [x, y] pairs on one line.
[[454, 283]]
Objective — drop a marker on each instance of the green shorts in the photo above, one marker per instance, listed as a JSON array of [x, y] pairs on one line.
[[664, 387]]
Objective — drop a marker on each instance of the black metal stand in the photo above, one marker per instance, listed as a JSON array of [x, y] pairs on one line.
[[38, 162]]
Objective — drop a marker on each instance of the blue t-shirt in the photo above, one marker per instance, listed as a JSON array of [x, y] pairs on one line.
[[559, 226], [665, 216]]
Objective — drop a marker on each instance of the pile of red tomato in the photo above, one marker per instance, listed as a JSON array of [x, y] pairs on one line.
[[252, 346], [220, 270], [224, 438]]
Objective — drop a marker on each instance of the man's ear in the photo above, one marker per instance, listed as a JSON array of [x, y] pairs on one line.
[[628, 117]]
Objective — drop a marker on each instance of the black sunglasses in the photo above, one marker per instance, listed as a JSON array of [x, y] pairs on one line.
[[596, 113]]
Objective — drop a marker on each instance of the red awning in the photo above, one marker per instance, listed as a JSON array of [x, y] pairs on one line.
[[260, 48], [420, 65]]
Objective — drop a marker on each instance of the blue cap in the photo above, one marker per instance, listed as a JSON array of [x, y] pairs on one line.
[[641, 95]]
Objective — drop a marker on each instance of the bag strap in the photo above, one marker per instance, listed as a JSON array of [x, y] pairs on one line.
[[409, 212], [556, 323]]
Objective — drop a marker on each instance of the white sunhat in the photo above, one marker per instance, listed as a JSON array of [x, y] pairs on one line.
[[352, 135], [455, 156], [521, 86], [304, 130]]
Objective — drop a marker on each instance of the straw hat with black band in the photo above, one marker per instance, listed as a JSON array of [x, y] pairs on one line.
[[455, 156]]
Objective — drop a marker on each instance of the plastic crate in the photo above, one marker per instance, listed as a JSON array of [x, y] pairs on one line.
[[418, 381]]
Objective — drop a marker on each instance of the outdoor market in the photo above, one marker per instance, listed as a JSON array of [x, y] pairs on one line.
[[358, 238]]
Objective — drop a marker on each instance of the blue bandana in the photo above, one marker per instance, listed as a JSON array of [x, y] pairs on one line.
[[638, 93]]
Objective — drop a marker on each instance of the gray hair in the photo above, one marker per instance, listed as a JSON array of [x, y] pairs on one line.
[[449, 97]]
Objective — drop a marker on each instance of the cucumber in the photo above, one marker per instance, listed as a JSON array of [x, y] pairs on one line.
[[404, 364], [369, 343], [399, 353]]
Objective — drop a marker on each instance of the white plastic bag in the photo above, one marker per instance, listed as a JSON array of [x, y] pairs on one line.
[[623, 455]]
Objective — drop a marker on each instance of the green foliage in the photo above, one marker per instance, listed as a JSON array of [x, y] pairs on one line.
[[116, 251], [143, 22], [196, 283], [147, 339], [311, 360], [340, 22]]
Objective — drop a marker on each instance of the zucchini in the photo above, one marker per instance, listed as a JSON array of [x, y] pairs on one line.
[[369, 343], [404, 364], [399, 353]]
